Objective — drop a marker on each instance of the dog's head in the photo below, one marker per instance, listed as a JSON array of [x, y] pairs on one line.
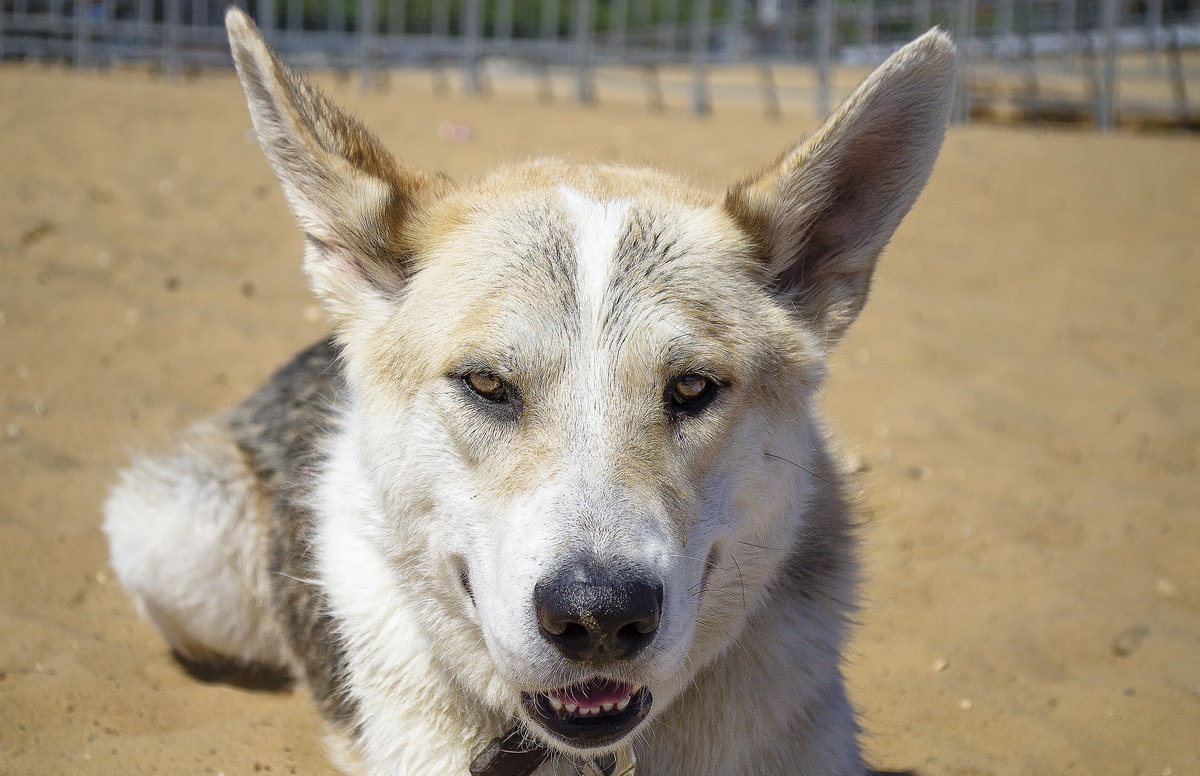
[[582, 394]]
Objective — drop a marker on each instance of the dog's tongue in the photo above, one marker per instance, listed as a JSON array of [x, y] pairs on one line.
[[593, 692]]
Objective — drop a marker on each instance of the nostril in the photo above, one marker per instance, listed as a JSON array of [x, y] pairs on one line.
[[644, 627], [635, 632], [570, 636]]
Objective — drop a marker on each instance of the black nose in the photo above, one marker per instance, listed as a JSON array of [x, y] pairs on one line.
[[596, 615]]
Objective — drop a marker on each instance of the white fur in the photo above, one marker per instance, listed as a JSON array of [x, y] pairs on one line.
[[392, 671], [598, 227], [186, 542]]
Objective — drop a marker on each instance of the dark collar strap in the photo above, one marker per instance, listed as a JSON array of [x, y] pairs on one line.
[[516, 753]]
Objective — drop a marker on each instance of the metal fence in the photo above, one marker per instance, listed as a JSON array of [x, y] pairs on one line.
[[1105, 60]]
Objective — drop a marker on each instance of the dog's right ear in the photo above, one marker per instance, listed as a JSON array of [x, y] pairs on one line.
[[351, 198], [825, 210]]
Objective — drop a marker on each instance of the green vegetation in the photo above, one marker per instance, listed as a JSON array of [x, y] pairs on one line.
[[528, 16]]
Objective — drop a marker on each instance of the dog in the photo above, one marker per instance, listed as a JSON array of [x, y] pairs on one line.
[[553, 497]]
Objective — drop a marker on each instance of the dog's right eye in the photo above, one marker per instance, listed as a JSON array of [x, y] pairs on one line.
[[690, 394], [487, 386]]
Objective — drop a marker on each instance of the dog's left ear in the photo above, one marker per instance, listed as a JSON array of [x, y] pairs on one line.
[[351, 198], [827, 208]]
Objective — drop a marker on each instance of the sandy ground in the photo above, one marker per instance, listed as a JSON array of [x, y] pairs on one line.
[[1020, 395]]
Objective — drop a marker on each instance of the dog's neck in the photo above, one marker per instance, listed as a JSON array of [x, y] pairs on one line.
[[513, 754]]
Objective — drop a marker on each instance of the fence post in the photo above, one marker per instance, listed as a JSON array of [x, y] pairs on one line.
[[398, 18], [504, 22], [549, 21], [1068, 22], [770, 93], [61, 27], [866, 26], [548, 34], [366, 43], [1029, 57], [20, 17], [1106, 109], [174, 39], [789, 26], [472, 28], [670, 24], [108, 33], [618, 25], [649, 38], [964, 21], [1178, 79], [1154, 18], [1004, 21], [294, 19], [83, 32], [825, 29], [198, 14], [144, 15], [266, 18], [701, 28], [337, 18], [584, 88], [440, 19], [924, 14]]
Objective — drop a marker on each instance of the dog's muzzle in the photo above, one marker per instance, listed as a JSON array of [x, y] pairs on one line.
[[591, 714]]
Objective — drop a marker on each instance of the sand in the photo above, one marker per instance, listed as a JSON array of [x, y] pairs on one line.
[[1020, 396]]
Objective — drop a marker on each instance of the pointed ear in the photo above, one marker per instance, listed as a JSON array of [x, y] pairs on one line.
[[351, 198], [826, 209]]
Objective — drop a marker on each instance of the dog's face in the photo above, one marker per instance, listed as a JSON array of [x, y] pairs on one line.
[[582, 367], [582, 394]]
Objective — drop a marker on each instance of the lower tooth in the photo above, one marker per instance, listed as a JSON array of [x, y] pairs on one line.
[[607, 706], [622, 704], [571, 707]]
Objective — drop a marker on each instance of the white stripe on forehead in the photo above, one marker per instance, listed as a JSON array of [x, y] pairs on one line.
[[598, 229]]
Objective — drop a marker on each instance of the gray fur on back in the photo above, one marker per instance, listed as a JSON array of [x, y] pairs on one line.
[[281, 429]]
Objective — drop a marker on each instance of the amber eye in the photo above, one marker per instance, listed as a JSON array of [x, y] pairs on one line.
[[691, 387], [486, 385], [690, 393]]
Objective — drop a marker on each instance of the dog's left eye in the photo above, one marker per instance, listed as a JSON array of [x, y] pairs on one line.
[[487, 385], [690, 393]]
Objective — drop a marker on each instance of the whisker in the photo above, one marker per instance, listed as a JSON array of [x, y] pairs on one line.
[[765, 547], [801, 468], [752, 607], [733, 641], [741, 577], [298, 579]]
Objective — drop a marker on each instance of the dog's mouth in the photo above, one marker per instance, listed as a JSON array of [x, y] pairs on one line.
[[591, 714]]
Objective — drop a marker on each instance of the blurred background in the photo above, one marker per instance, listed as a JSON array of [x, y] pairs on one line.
[[1017, 402], [1102, 61]]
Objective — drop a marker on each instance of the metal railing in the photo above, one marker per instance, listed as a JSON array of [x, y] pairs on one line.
[[1043, 57]]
